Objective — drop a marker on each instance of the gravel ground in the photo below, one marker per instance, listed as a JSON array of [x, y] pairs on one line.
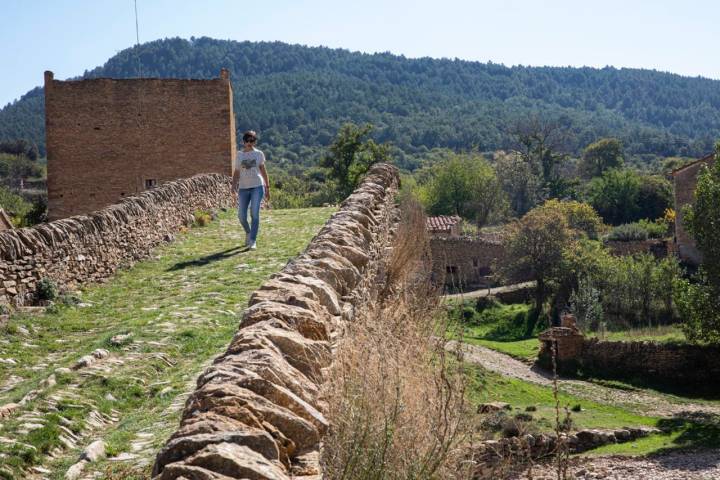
[[645, 402], [702, 465]]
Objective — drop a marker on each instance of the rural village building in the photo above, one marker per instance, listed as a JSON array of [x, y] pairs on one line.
[[444, 226], [685, 182], [111, 138]]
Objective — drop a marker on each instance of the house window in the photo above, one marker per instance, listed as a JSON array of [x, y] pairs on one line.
[[150, 183]]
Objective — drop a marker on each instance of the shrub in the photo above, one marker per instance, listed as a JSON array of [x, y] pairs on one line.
[[201, 218], [47, 289], [633, 290], [484, 303], [641, 230], [699, 307], [585, 303], [512, 322], [396, 402], [628, 232]]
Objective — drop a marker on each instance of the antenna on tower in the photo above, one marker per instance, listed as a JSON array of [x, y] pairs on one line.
[[137, 43]]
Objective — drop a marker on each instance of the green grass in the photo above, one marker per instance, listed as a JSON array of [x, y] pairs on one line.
[[677, 434], [181, 307], [500, 327], [695, 432], [665, 333], [525, 350], [487, 387]]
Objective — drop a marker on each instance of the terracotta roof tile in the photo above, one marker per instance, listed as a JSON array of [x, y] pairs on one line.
[[442, 223]]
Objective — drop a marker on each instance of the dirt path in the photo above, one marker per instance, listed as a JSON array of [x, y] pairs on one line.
[[646, 402], [486, 292], [674, 466]]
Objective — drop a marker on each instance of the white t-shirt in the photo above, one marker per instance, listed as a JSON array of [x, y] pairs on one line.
[[248, 166]]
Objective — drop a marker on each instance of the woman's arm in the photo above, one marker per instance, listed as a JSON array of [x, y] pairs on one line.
[[263, 173], [235, 180]]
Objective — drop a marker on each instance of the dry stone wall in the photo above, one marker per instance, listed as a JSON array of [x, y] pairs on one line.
[[680, 365], [257, 411], [89, 248]]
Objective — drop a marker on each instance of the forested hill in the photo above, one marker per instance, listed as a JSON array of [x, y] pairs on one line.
[[298, 96]]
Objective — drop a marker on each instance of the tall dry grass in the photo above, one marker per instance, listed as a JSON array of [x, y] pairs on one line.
[[396, 400]]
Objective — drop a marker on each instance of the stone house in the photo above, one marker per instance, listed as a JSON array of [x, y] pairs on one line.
[[444, 226], [685, 182], [112, 138], [464, 262]]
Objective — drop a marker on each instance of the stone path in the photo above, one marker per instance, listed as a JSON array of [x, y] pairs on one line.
[[159, 325], [644, 402]]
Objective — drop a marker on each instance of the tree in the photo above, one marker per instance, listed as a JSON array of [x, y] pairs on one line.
[[602, 155], [699, 303], [517, 179], [580, 217], [540, 143], [351, 156], [615, 196], [655, 197], [465, 185], [533, 250]]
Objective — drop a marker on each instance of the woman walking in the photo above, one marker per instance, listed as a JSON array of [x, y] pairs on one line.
[[251, 182]]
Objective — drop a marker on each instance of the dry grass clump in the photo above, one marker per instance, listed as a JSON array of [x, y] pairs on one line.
[[395, 401]]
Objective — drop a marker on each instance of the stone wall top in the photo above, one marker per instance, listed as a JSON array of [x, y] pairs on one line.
[[256, 412]]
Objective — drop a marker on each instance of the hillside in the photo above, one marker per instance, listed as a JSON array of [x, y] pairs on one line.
[[298, 96]]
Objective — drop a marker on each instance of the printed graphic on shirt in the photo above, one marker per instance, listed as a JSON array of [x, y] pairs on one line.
[[247, 163]]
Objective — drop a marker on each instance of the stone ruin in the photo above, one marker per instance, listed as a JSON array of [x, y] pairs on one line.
[[257, 411], [567, 341]]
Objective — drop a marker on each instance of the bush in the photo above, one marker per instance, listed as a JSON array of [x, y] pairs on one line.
[[638, 231], [699, 307], [201, 218], [47, 289], [585, 303], [483, 303], [634, 291], [628, 232], [509, 322]]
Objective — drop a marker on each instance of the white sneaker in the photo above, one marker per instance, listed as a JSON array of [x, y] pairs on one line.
[[247, 240], [253, 246]]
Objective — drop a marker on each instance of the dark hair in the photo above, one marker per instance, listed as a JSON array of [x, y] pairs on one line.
[[249, 135]]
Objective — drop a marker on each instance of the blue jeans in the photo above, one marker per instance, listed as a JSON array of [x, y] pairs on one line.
[[252, 197]]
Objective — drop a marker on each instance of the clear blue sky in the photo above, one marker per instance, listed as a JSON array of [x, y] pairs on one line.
[[70, 36]]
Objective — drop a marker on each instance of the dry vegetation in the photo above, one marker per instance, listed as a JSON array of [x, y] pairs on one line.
[[396, 401]]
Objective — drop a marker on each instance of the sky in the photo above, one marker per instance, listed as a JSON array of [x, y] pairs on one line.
[[71, 36]]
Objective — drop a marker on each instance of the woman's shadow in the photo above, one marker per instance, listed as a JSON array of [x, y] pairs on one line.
[[213, 257]]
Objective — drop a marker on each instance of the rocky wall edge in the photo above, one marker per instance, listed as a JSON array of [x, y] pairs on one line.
[[88, 248], [257, 411]]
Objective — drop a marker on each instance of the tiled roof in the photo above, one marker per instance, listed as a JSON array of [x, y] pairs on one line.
[[707, 158], [442, 223]]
